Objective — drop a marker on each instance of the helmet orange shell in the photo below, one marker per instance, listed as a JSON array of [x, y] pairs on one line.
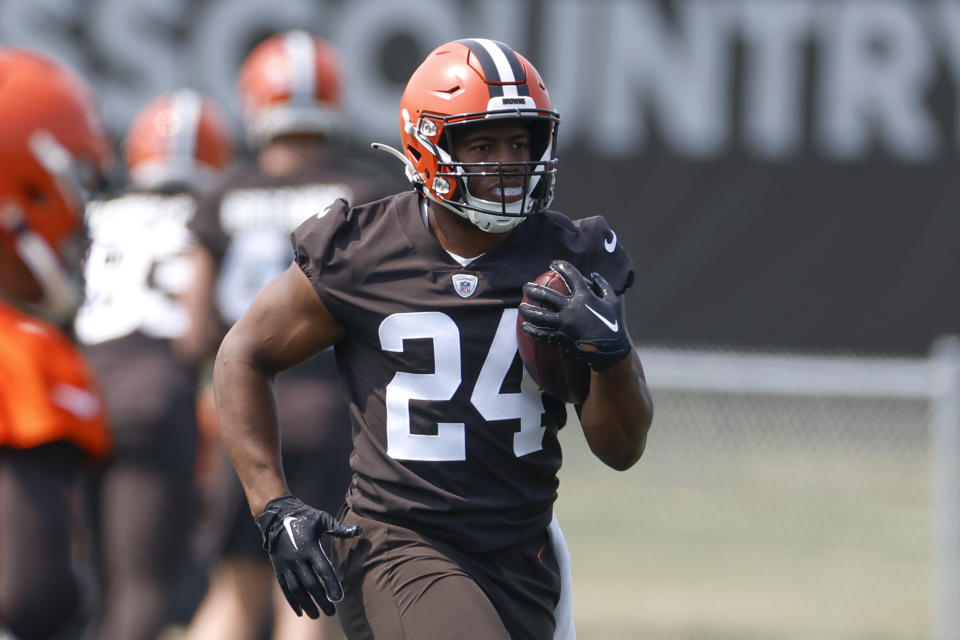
[[178, 137], [289, 83], [46, 110]]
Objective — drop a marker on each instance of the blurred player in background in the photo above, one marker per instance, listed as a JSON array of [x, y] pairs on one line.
[[289, 87], [446, 528], [52, 149], [141, 335]]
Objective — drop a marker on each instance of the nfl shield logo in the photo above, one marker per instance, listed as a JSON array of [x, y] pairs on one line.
[[464, 284]]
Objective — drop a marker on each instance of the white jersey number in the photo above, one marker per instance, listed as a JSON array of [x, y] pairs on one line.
[[137, 268], [450, 442]]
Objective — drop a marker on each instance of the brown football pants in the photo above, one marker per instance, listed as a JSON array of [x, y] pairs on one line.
[[400, 585]]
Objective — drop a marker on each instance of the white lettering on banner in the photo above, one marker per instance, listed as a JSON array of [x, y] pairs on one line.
[[946, 25], [363, 28], [773, 109], [683, 76], [568, 62], [43, 25], [225, 31], [621, 72], [876, 69], [140, 54], [504, 20]]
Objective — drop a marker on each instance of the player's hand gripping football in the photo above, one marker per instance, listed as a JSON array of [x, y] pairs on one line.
[[588, 324], [291, 533]]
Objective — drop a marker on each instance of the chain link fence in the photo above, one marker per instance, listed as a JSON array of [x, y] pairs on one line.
[[780, 497]]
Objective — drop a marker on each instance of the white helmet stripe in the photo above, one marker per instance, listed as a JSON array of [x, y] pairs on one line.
[[299, 47], [186, 106], [504, 69]]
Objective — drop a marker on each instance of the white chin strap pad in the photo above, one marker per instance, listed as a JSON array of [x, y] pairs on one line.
[[491, 223], [483, 221], [62, 296]]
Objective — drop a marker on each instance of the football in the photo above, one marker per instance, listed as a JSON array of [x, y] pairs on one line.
[[558, 372]]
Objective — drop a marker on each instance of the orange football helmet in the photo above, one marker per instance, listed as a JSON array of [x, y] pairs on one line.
[[464, 82], [53, 148], [290, 83], [180, 140]]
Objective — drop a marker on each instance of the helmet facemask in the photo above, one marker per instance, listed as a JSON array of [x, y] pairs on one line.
[[528, 186]]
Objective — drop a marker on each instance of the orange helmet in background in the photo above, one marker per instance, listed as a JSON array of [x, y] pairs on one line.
[[53, 149], [179, 140], [467, 81], [289, 84]]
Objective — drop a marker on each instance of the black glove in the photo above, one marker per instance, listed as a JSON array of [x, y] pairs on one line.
[[291, 533], [589, 325]]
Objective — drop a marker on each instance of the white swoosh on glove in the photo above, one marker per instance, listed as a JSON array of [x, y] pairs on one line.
[[613, 326], [286, 525]]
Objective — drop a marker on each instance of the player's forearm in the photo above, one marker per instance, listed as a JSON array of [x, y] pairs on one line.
[[617, 413], [248, 423]]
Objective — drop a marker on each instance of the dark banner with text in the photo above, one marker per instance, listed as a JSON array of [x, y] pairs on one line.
[[784, 172]]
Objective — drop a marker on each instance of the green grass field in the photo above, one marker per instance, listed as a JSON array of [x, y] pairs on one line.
[[759, 535]]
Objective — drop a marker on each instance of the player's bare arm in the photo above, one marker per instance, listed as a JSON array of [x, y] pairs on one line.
[[285, 325], [617, 413]]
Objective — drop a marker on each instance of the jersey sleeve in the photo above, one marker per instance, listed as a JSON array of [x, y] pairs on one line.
[[314, 245], [604, 254]]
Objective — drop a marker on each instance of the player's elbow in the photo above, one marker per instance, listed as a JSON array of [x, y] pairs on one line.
[[624, 455], [619, 444]]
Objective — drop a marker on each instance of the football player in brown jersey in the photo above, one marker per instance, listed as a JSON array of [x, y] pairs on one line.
[[445, 528], [53, 149], [289, 86], [135, 327]]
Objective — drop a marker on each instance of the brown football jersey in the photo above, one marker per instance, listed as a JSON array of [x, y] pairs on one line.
[[451, 435]]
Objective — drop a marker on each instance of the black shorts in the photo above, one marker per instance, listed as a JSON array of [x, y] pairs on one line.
[[399, 584], [38, 588]]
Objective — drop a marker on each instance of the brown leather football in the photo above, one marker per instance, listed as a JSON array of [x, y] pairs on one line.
[[558, 372]]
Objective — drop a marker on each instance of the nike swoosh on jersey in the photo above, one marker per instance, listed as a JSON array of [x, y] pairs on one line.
[[610, 244], [613, 326], [286, 525]]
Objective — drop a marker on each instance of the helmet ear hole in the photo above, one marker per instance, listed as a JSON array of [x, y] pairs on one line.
[[35, 194], [413, 151]]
